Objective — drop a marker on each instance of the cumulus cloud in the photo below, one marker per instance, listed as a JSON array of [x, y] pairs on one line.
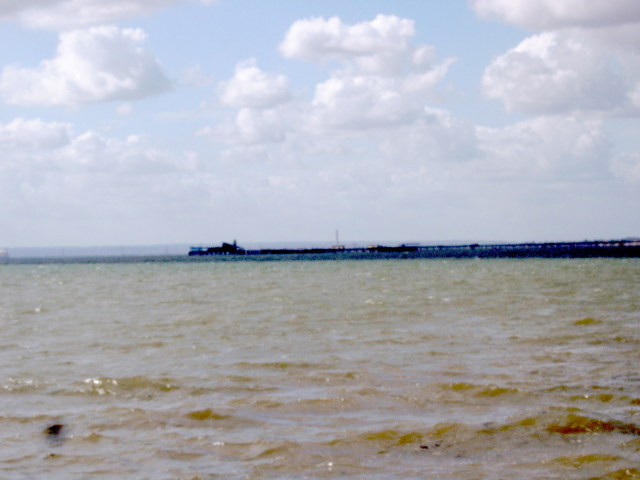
[[586, 60], [250, 87], [365, 101], [553, 14], [95, 65], [378, 46], [73, 14], [374, 124], [378, 76], [554, 72], [264, 107]]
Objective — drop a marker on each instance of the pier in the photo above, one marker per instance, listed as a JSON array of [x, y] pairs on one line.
[[233, 252], [586, 249]]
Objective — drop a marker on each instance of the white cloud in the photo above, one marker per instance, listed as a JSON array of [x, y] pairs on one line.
[[382, 80], [369, 147], [250, 87], [378, 46], [49, 174], [108, 190], [361, 102], [439, 173], [95, 65], [553, 72], [634, 96], [378, 77], [21, 136], [93, 153], [587, 59], [36, 145], [264, 107], [554, 14], [436, 138], [73, 14], [250, 127]]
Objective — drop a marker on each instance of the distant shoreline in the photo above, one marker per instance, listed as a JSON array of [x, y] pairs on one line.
[[596, 249]]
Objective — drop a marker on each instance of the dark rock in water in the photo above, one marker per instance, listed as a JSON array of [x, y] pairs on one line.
[[54, 433], [54, 430]]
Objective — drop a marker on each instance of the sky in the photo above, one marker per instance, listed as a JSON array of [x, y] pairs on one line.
[[134, 122]]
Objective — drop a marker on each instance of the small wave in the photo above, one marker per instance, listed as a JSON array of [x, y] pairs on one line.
[[127, 385], [207, 414], [24, 385], [278, 365], [181, 455], [464, 390], [281, 450], [587, 321], [622, 474], [381, 440], [582, 460], [209, 418]]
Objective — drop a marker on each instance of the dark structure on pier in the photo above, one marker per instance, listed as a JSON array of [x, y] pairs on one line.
[[224, 249]]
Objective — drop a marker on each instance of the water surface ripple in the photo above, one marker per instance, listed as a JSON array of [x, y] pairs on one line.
[[412, 369]]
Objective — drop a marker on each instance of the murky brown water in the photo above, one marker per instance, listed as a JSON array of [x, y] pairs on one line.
[[414, 369]]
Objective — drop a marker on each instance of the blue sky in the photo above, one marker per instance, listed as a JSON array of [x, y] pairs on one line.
[[186, 121]]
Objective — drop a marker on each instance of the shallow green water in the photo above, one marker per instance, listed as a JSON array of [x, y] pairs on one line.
[[460, 369]]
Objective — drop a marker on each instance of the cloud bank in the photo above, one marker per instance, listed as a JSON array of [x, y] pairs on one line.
[[552, 14], [373, 143], [73, 14]]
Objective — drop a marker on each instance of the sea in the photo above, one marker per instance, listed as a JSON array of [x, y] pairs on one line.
[[370, 369]]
